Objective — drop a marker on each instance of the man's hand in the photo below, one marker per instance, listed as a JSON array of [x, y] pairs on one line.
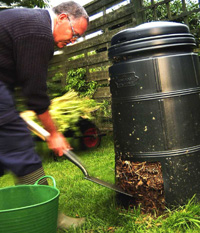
[[58, 143]]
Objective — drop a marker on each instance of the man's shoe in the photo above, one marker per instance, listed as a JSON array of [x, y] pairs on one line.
[[65, 222]]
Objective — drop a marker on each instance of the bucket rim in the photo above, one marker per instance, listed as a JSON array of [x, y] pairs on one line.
[[35, 205]]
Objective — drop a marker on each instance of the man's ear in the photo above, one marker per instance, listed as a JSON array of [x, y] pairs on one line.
[[62, 17]]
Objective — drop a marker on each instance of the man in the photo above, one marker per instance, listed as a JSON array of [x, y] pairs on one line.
[[27, 44]]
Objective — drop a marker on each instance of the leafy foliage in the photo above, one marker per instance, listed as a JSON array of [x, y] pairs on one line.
[[26, 3], [76, 81], [176, 8], [54, 85], [105, 109], [66, 110]]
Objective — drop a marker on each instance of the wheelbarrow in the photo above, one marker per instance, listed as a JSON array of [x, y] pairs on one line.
[[89, 134]]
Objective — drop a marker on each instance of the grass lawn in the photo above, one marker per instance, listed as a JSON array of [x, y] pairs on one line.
[[82, 198]]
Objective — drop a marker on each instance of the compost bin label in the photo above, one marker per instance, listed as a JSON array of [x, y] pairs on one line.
[[126, 80]]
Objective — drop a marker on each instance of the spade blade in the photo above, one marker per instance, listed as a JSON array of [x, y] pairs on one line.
[[107, 185]]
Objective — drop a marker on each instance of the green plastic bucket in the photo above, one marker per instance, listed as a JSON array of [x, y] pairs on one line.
[[29, 208]]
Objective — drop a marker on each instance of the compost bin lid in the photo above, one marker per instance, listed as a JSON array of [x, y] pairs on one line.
[[151, 36]]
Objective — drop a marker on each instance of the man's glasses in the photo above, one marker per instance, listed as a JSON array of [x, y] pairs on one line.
[[75, 36]]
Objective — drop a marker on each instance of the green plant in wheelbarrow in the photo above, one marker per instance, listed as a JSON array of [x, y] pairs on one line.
[[74, 115]]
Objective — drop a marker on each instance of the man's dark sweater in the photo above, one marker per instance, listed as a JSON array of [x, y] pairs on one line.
[[26, 46]]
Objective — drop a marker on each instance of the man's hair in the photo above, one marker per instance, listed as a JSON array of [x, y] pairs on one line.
[[72, 8]]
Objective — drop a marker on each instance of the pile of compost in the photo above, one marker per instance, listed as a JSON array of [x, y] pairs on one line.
[[145, 182]]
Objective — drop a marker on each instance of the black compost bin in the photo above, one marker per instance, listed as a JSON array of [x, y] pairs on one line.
[[155, 90]]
